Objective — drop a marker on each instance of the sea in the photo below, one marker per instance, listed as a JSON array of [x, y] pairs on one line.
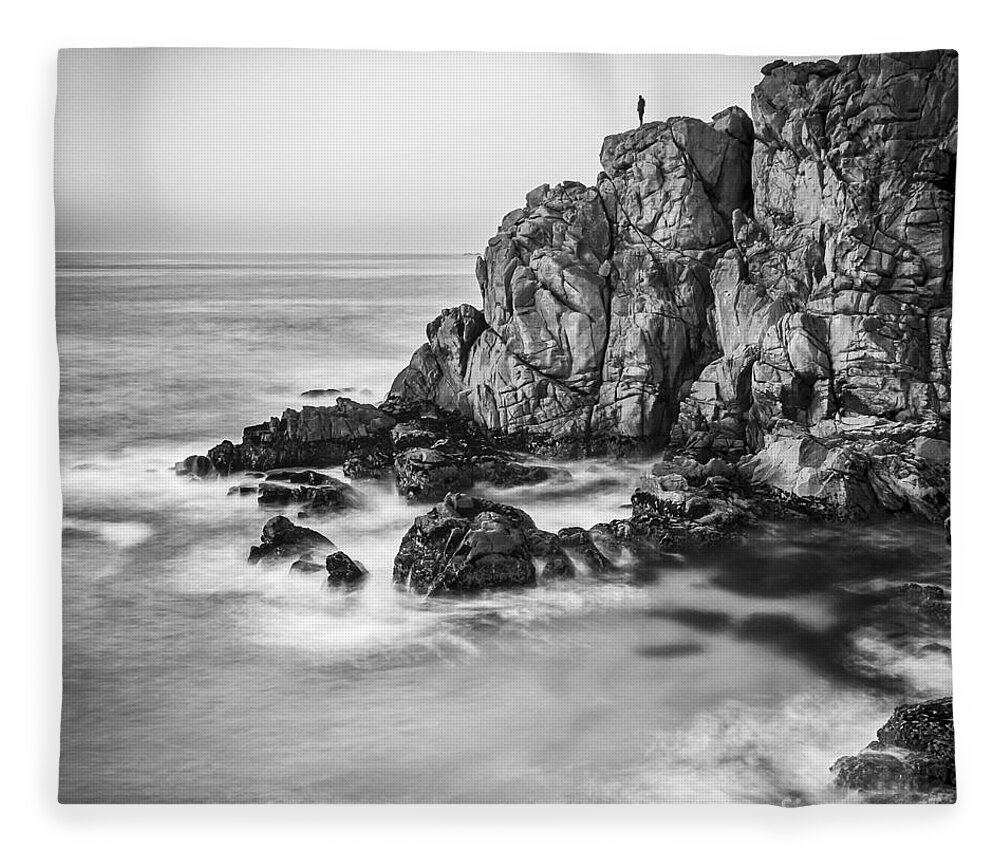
[[191, 676]]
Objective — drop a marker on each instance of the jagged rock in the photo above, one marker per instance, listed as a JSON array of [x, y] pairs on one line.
[[503, 472], [837, 295], [580, 543], [318, 436], [857, 472], [437, 369], [423, 473], [308, 476], [371, 464], [671, 188], [281, 538], [331, 496], [467, 544], [912, 760], [343, 571]]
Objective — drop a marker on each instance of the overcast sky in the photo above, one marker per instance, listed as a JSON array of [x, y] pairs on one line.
[[296, 150]]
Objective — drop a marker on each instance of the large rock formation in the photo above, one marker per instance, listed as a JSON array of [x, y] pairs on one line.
[[430, 451], [470, 544], [596, 299], [781, 286], [834, 307], [774, 292]]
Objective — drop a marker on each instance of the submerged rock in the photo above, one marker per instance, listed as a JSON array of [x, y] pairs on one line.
[[467, 543], [912, 760], [306, 563], [281, 538]]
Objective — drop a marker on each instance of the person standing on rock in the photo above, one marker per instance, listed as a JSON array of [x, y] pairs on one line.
[[641, 107]]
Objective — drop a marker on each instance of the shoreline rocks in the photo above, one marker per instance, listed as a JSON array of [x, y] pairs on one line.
[[468, 544], [281, 539], [912, 759]]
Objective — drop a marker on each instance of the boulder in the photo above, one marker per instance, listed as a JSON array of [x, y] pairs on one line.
[[424, 473], [468, 544], [196, 466], [912, 760], [331, 496], [343, 571], [282, 539]]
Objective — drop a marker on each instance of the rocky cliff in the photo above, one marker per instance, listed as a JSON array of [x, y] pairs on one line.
[[777, 289], [596, 301]]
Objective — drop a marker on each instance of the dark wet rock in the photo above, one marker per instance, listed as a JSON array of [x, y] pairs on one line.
[[466, 543], [343, 571], [544, 545], [504, 472], [196, 465], [332, 496], [429, 450], [427, 474], [242, 490], [413, 434], [912, 760], [321, 392], [371, 464], [281, 539], [880, 772], [580, 543], [307, 476], [316, 436]]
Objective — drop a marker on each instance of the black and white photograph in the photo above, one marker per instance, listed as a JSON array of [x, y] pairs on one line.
[[485, 427]]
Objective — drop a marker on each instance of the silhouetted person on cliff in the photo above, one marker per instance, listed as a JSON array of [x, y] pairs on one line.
[[641, 107]]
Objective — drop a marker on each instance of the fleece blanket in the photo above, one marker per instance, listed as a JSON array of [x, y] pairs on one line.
[[398, 467]]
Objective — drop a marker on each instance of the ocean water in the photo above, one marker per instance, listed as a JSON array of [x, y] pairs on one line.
[[190, 676]]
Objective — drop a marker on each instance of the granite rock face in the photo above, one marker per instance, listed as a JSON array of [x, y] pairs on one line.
[[739, 286], [775, 292], [672, 188], [833, 310], [596, 299]]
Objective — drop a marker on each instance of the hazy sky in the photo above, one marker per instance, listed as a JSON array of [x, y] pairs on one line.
[[240, 149]]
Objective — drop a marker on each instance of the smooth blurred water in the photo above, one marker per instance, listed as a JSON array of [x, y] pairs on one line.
[[191, 676]]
